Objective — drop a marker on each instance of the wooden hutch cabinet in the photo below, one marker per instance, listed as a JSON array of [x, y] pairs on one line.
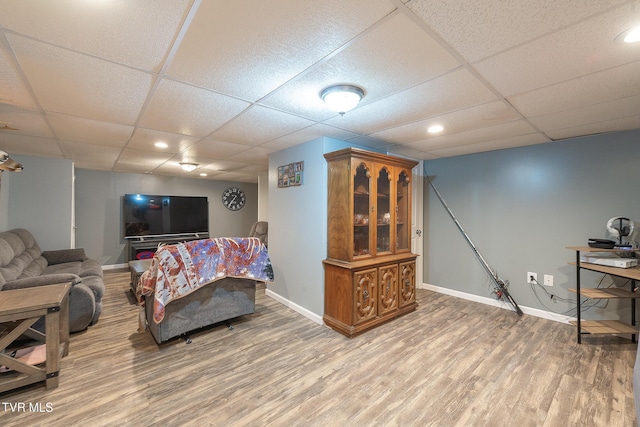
[[369, 270]]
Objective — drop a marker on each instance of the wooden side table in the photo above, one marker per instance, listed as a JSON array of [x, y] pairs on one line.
[[19, 310]]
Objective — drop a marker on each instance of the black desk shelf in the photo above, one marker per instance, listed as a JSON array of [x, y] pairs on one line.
[[585, 327]]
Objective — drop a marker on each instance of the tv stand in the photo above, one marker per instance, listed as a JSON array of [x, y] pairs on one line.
[[143, 247]]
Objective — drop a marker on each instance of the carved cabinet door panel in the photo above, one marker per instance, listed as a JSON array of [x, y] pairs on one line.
[[365, 294], [407, 283], [388, 290]]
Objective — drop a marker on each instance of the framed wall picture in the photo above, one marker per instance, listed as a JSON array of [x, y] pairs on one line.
[[290, 175]]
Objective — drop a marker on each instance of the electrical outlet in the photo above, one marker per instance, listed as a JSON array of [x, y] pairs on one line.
[[548, 280], [535, 277]]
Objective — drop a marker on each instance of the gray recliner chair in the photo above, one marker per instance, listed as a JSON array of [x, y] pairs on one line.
[[260, 229]]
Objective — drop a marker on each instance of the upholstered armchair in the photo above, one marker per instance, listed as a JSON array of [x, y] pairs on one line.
[[260, 230]]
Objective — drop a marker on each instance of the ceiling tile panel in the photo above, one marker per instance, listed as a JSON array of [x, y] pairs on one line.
[[140, 161], [184, 109], [259, 125], [28, 122], [405, 56], [480, 28], [498, 144], [587, 47], [87, 156], [477, 117], [487, 134], [12, 90], [613, 125], [267, 43], [91, 132], [619, 108], [135, 33], [619, 82], [454, 91], [144, 139], [254, 156], [216, 149], [79, 85], [308, 134], [30, 145]]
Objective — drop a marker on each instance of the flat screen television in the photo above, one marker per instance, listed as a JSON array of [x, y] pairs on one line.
[[152, 215]]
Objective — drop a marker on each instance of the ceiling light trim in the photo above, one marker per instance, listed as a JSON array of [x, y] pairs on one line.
[[187, 166], [342, 98]]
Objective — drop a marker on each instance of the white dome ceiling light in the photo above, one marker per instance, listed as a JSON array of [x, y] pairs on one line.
[[188, 166], [342, 98]]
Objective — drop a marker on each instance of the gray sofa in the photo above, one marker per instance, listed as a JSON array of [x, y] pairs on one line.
[[24, 265], [215, 302]]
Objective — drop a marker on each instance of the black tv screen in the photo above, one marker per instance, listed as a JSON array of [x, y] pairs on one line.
[[148, 215]]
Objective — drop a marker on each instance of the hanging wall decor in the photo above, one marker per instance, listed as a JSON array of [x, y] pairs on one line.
[[290, 175]]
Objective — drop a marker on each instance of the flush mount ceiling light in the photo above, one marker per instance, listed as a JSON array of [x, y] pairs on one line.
[[632, 35], [188, 166], [435, 129], [342, 98]]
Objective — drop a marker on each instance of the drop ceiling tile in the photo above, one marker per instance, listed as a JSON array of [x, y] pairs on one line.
[[13, 90], [213, 165], [144, 139], [454, 91], [30, 145], [216, 149], [254, 156], [79, 85], [90, 132], [475, 136], [258, 125], [308, 134], [480, 116], [618, 82], [613, 125], [90, 156], [188, 110], [618, 108], [499, 144], [277, 39], [104, 29], [584, 48], [28, 122], [411, 153], [480, 28], [139, 160], [237, 177], [405, 56]]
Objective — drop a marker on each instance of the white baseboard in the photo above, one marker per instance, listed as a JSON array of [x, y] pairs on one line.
[[496, 303], [295, 307], [114, 266]]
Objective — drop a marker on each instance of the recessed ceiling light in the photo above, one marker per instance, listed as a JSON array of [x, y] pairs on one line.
[[435, 129], [632, 35], [161, 144], [203, 174]]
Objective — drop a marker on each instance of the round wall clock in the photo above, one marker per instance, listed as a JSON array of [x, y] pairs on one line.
[[233, 198]]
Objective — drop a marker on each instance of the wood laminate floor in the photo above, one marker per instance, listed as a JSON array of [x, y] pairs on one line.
[[450, 363]]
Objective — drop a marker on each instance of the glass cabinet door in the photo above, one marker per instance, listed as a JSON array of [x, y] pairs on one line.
[[403, 225], [384, 213], [361, 209]]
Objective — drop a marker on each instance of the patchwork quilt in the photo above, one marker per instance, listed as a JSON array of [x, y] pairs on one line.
[[177, 270]]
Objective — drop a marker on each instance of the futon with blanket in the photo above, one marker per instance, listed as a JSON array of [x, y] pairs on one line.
[[201, 282]]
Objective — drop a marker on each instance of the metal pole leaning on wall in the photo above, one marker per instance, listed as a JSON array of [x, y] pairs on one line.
[[500, 285]]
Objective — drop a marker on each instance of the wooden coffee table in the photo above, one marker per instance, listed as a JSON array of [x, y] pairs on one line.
[[19, 310]]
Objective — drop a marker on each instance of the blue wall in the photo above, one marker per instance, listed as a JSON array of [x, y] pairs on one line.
[[522, 207]]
